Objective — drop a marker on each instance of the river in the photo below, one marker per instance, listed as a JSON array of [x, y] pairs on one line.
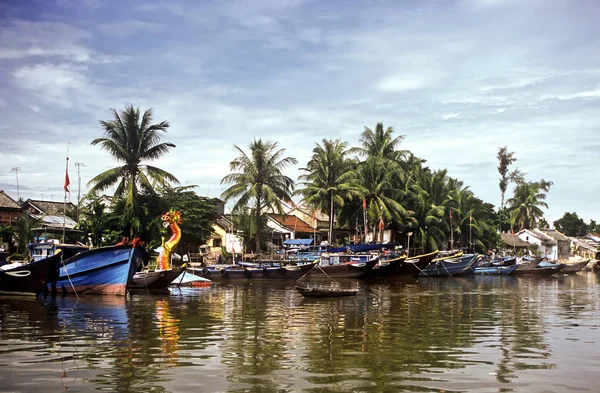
[[471, 334]]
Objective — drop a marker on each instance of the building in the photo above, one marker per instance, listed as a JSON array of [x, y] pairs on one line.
[[514, 243], [287, 226], [224, 235], [584, 248], [551, 243], [10, 211], [52, 219]]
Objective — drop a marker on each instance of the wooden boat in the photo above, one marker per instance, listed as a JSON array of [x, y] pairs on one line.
[[463, 265], [167, 277], [344, 269], [388, 266], [103, 270], [320, 290], [145, 279], [495, 270], [415, 265], [240, 273], [574, 267], [27, 278], [189, 279], [532, 268]]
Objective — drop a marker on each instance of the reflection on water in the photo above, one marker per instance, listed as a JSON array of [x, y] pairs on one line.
[[481, 333]]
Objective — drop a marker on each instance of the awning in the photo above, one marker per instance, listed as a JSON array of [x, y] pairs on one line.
[[298, 242]]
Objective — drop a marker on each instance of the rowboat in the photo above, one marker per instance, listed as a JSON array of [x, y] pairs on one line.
[[344, 269], [316, 290], [144, 279], [388, 266], [534, 268], [495, 270], [451, 267], [574, 267]]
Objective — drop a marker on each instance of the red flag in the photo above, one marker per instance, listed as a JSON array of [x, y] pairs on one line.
[[67, 181], [364, 204], [451, 214], [381, 223], [314, 216]]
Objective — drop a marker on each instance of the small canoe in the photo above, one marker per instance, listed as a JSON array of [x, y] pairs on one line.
[[323, 291]]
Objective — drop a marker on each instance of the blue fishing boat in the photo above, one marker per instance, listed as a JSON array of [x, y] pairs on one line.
[[103, 270], [463, 265], [495, 270]]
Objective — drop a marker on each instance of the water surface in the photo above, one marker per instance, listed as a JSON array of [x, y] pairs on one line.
[[472, 334]]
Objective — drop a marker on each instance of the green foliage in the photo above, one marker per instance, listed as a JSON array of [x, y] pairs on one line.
[[132, 139], [525, 206], [257, 179], [23, 233], [505, 159], [571, 225], [199, 215]]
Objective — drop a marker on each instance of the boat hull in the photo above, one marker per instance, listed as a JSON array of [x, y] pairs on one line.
[[464, 265], [495, 270], [574, 267], [144, 279], [28, 278], [414, 265], [388, 267], [218, 273], [100, 271], [326, 292], [344, 270], [167, 278], [537, 271]]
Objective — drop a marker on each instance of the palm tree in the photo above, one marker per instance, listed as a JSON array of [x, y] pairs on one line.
[[257, 178], [132, 139], [326, 181], [525, 206], [379, 143]]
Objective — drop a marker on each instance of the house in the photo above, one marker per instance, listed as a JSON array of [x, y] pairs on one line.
[[563, 243], [224, 235], [286, 226], [52, 217], [551, 243], [317, 220], [10, 210], [584, 248], [514, 242]]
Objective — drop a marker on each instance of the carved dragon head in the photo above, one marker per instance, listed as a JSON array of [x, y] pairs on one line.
[[172, 217]]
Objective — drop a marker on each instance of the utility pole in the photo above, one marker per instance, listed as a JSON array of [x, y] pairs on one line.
[[78, 165], [16, 170]]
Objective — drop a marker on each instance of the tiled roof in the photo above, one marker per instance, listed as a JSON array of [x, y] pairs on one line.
[[513, 240], [292, 223], [554, 234], [7, 202], [56, 221], [50, 207]]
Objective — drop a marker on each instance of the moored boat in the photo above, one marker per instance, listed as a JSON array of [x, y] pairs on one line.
[[463, 265], [251, 272], [533, 268], [495, 270], [350, 269], [145, 279], [320, 290], [388, 266], [414, 265], [574, 267], [27, 278], [103, 270]]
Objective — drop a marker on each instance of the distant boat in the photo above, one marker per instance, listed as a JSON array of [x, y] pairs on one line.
[[533, 268], [155, 279], [451, 267], [103, 270], [388, 266], [343, 269], [495, 270], [573, 266], [252, 272]]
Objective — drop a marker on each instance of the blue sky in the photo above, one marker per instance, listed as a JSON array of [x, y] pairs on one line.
[[458, 78]]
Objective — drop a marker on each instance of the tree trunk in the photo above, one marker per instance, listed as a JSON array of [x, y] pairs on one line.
[[331, 218], [258, 224]]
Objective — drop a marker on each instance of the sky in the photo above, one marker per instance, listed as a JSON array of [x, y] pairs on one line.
[[458, 79]]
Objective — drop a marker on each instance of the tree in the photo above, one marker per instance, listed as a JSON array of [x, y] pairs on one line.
[[23, 232], [525, 206], [571, 225], [132, 140], [326, 179], [257, 178], [198, 213], [379, 143], [505, 159]]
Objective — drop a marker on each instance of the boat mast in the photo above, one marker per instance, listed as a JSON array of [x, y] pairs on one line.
[[67, 182]]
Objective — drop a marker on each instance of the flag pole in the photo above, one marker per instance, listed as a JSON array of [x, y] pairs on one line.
[[67, 182]]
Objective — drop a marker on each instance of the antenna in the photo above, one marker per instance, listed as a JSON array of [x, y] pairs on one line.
[[16, 170], [78, 165]]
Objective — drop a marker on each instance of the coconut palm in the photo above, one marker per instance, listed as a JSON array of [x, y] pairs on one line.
[[132, 139], [258, 179], [525, 207], [326, 181], [379, 143]]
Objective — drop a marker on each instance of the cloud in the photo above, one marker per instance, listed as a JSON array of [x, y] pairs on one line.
[[125, 28]]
